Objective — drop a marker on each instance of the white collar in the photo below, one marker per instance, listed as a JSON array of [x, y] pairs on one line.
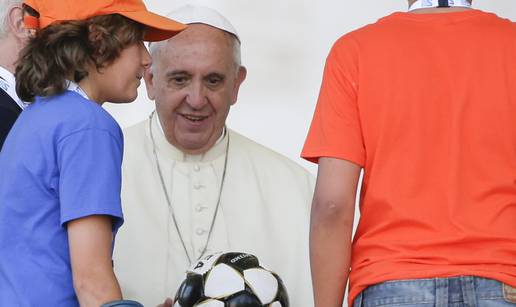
[[8, 84], [424, 4], [74, 87]]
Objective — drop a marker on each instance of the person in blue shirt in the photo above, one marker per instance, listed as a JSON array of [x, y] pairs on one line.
[[60, 165]]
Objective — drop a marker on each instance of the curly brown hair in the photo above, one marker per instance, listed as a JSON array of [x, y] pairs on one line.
[[66, 50]]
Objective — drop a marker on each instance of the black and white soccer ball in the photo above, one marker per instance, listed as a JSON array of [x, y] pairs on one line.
[[231, 279]]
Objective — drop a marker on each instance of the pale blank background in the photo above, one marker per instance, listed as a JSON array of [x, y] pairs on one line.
[[284, 46]]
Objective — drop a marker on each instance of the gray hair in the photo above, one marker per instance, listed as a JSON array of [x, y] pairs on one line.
[[156, 47], [5, 7]]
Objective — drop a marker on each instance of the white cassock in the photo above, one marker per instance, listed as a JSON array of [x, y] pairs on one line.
[[264, 210]]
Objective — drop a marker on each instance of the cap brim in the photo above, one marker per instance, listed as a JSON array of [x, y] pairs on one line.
[[158, 28]]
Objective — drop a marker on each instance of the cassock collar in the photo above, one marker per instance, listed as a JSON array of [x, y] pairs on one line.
[[164, 147]]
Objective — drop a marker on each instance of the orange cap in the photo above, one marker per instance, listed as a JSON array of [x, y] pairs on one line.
[[157, 27]]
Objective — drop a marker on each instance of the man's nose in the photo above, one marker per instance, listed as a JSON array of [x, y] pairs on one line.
[[196, 96]]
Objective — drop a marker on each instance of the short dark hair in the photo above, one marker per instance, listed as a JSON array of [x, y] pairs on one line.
[[65, 50]]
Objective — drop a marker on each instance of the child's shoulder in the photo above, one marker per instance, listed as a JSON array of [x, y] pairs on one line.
[[71, 109], [69, 101]]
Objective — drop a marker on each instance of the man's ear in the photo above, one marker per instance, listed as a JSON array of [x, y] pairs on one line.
[[15, 23], [148, 76], [241, 75]]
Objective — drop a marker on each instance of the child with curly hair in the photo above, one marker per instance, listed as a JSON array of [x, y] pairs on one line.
[[60, 167]]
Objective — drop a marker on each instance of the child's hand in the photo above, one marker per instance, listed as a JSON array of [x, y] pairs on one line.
[[168, 303]]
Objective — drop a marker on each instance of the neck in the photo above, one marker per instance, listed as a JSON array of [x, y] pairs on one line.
[[91, 91], [199, 151], [9, 56], [437, 10], [438, 6]]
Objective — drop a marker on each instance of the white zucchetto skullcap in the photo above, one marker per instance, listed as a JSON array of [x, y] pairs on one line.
[[190, 14]]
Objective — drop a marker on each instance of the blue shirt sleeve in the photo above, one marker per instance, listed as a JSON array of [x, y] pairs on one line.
[[89, 163]]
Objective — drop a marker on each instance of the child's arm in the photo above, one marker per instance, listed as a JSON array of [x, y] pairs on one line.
[[90, 239], [331, 228]]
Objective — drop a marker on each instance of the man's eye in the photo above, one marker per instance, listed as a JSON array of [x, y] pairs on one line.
[[179, 80], [214, 81]]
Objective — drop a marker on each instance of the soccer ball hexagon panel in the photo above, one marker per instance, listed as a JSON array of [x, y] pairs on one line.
[[231, 279]]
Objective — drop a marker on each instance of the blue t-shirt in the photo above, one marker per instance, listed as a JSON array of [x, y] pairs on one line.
[[60, 162]]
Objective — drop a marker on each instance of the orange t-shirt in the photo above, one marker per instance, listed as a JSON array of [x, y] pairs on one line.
[[426, 104]]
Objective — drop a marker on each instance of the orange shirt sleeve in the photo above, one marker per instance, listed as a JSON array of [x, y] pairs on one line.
[[335, 130]]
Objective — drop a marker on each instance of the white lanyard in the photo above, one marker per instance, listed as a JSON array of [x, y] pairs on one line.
[[423, 4], [74, 87]]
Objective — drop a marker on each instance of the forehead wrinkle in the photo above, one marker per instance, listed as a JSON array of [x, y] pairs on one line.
[[195, 57], [176, 72]]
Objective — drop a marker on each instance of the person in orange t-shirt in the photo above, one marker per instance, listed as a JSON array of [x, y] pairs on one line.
[[425, 102]]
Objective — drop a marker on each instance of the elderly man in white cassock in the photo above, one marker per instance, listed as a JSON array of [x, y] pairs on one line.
[[192, 186]]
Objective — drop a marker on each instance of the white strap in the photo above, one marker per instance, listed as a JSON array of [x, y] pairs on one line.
[[74, 87], [423, 4]]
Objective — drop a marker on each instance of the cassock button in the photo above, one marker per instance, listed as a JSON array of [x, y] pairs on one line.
[[200, 250], [196, 168], [199, 208], [197, 186], [200, 231]]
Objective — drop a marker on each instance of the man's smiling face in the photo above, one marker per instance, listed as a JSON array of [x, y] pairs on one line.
[[194, 81]]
